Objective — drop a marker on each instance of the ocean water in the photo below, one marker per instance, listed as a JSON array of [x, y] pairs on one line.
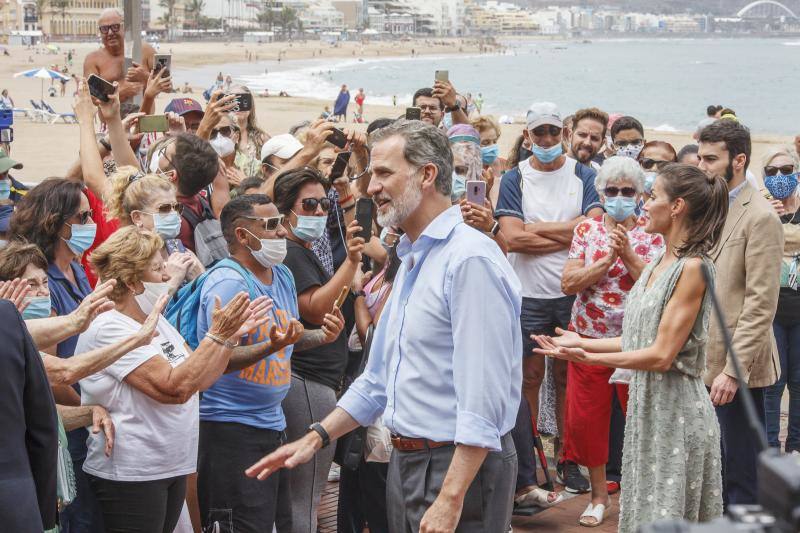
[[665, 83]]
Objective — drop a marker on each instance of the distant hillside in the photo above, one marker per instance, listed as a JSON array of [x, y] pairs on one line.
[[715, 7]]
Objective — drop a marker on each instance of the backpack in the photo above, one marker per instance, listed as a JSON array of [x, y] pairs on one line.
[[184, 308], [209, 243]]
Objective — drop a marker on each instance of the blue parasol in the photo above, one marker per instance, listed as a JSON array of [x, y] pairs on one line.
[[43, 74]]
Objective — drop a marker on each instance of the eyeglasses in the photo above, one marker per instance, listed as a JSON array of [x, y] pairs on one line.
[[546, 129], [310, 204], [114, 28], [225, 131], [628, 192], [785, 170], [166, 209], [625, 144], [270, 223], [648, 163], [84, 216], [429, 108]]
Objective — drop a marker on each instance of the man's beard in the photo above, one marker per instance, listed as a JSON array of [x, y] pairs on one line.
[[576, 153], [401, 207], [729, 172]]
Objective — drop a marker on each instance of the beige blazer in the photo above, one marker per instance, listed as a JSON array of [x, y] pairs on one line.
[[748, 264]]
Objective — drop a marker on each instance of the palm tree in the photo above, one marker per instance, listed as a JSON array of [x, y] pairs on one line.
[[287, 19], [168, 18], [194, 10], [266, 16], [40, 7], [61, 7]]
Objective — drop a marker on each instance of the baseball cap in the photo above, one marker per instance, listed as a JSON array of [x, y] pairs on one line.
[[5, 216], [283, 146], [6, 163], [543, 113], [181, 106]]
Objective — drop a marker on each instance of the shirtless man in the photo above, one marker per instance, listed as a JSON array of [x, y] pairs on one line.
[[109, 61]]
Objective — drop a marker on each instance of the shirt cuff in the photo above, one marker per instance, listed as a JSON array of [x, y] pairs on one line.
[[474, 430], [508, 213], [361, 407], [592, 206]]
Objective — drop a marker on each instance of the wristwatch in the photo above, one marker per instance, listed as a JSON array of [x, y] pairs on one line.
[[317, 427], [454, 108], [360, 293], [495, 229]]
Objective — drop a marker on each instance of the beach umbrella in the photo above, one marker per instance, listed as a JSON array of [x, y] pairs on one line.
[[43, 74]]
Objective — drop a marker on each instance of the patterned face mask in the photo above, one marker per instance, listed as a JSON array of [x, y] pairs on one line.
[[781, 186]]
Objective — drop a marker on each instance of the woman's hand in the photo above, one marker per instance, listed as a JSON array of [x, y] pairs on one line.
[[361, 279], [280, 339], [148, 332], [196, 267], [259, 308], [332, 325], [176, 124], [83, 107], [487, 175], [479, 217], [109, 110], [355, 244], [620, 243], [234, 175], [178, 264], [97, 302], [101, 421], [226, 321], [15, 290], [564, 339], [576, 355], [157, 85]]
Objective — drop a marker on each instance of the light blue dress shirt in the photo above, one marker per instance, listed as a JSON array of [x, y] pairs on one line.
[[446, 357]]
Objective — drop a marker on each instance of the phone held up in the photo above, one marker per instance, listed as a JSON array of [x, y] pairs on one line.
[[442, 75], [99, 88], [413, 113], [364, 211], [339, 166], [337, 138], [476, 192], [153, 123]]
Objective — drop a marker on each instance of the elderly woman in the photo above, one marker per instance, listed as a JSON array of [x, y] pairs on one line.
[[151, 392], [148, 202], [781, 167], [606, 258], [653, 157], [489, 131]]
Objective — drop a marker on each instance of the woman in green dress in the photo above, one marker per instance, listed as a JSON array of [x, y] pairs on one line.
[[671, 455]]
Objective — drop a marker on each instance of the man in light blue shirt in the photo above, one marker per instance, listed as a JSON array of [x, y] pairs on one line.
[[445, 363]]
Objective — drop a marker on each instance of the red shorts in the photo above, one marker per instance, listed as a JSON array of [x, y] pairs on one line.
[[587, 417]]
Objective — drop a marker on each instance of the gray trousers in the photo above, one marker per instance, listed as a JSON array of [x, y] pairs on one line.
[[307, 402], [415, 479]]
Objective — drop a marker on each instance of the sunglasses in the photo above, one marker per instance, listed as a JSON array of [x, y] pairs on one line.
[[84, 216], [628, 192], [648, 163], [270, 223], [547, 129], [784, 170], [114, 28], [310, 204], [225, 131], [166, 209]]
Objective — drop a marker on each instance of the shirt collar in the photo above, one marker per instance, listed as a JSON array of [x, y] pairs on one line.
[[438, 230], [733, 193]]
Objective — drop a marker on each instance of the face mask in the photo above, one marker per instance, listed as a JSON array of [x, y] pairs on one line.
[[459, 187], [620, 207], [152, 292], [167, 226], [632, 151], [5, 189], [38, 307], [272, 252], [649, 181], [82, 237], [224, 146], [547, 155], [489, 154], [309, 228], [781, 186]]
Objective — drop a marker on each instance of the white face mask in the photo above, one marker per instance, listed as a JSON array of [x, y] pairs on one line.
[[152, 292], [224, 146], [272, 252]]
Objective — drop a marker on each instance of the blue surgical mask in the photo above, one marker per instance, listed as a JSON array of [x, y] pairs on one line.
[[649, 181], [38, 307], [167, 226], [459, 187], [547, 155], [5, 189], [620, 207], [489, 154], [82, 237], [781, 186], [309, 228]]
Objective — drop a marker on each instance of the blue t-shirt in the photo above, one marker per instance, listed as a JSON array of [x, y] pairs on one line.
[[251, 396]]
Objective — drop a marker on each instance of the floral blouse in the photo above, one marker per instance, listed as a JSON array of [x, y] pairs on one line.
[[599, 309]]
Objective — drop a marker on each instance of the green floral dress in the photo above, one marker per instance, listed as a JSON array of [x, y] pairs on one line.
[[671, 457]]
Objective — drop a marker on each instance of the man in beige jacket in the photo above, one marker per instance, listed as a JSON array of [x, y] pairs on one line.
[[748, 265]]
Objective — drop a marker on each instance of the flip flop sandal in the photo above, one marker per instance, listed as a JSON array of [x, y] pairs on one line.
[[594, 515], [539, 497]]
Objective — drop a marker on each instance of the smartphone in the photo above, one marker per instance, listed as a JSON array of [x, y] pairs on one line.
[[339, 166], [244, 102], [337, 138], [152, 123], [341, 298], [161, 61], [364, 210], [476, 191], [174, 245], [442, 75], [413, 113], [99, 88]]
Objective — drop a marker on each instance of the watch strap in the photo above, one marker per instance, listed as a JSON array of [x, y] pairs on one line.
[[317, 427], [495, 229]]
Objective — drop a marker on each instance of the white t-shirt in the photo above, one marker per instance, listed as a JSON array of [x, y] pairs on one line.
[[153, 440]]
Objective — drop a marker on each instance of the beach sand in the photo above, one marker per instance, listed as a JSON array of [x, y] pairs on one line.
[[49, 149]]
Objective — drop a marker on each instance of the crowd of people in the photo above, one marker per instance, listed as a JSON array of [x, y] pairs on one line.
[[200, 322]]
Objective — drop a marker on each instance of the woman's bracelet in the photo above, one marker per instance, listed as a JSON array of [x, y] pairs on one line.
[[221, 341]]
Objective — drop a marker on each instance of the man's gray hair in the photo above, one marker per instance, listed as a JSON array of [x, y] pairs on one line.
[[424, 144], [617, 169], [111, 10]]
